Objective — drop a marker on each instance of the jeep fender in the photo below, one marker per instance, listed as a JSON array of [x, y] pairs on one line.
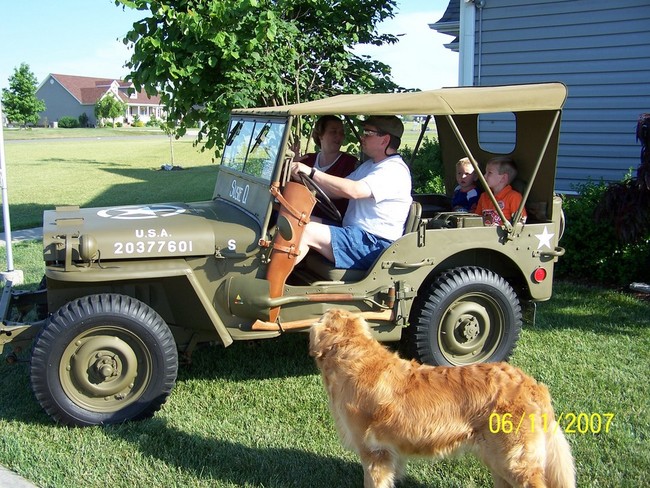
[[168, 268]]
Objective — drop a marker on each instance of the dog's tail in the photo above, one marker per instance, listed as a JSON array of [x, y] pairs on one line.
[[560, 471]]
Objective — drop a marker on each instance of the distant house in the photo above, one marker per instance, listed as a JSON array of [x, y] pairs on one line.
[[598, 48], [67, 95]]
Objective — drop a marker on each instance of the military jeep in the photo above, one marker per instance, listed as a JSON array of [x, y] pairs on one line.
[[131, 291]]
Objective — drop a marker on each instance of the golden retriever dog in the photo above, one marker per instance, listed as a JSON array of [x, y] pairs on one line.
[[387, 409]]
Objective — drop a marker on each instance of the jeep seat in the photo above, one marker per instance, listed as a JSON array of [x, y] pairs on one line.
[[323, 268]]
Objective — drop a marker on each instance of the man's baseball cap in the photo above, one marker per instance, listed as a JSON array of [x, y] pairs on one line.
[[389, 124]]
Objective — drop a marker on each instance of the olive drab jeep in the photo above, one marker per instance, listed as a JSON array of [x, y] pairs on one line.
[[130, 291]]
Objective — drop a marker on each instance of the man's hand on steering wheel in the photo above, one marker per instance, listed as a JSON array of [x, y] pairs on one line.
[[304, 174]]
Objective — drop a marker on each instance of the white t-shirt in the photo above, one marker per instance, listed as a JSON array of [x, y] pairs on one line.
[[384, 212]]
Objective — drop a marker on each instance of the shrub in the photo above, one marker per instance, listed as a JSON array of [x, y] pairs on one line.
[[83, 120], [153, 122], [138, 123], [593, 251], [427, 170], [118, 124], [67, 122]]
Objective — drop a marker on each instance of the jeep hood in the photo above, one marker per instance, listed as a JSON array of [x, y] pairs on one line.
[[73, 234]]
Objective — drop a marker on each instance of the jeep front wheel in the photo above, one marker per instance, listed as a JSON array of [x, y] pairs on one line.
[[103, 359], [470, 315]]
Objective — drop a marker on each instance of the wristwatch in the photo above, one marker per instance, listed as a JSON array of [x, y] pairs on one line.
[[312, 173]]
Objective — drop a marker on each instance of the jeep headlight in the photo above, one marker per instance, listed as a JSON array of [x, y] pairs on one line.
[[88, 248]]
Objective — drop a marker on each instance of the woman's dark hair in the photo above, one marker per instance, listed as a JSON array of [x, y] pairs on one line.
[[319, 127]]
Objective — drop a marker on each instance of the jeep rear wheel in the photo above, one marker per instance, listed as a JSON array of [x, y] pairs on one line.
[[470, 315], [103, 359]]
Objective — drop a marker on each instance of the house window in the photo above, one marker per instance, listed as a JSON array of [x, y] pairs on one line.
[[143, 110]]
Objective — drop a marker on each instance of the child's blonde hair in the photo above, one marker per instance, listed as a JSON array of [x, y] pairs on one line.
[[463, 162], [506, 165]]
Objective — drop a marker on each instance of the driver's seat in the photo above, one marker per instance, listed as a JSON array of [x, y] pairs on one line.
[[323, 268]]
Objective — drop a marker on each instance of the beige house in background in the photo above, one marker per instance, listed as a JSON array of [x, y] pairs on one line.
[[68, 95]]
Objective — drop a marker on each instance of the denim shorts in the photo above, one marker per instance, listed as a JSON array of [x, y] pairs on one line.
[[354, 248]]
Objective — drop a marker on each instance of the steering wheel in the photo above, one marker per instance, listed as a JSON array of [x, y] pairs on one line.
[[322, 200]]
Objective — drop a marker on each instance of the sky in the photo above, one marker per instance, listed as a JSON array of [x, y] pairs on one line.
[[84, 38]]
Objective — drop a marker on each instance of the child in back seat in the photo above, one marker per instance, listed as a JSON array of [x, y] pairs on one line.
[[466, 194], [499, 173]]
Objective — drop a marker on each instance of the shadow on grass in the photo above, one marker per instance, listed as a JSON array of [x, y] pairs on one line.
[[281, 357], [145, 186], [75, 161], [593, 309], [222, 460]]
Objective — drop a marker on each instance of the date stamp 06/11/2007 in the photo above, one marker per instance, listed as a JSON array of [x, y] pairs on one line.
[[569, 422]]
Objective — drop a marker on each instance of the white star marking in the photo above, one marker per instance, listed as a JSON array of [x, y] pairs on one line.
[[140, 212], [544, 239]]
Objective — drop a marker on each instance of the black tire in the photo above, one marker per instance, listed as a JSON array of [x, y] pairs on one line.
[[103, 359], [470, 315]]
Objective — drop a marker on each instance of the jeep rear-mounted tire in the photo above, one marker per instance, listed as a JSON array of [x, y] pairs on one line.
[[469, 315], [103, 359]]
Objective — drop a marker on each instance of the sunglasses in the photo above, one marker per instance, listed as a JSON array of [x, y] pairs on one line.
[[368, 132]]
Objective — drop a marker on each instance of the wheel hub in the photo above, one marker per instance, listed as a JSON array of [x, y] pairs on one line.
[[465, 328], [469, 328], [104, 366]]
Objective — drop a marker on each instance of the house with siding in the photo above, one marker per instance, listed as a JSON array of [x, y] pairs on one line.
[[67, 95], [598, 48]]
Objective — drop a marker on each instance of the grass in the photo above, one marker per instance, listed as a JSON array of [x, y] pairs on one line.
[[255, 414], [47, 133], [89, 172]]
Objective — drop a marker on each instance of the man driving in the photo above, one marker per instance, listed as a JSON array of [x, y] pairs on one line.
[[379, 191]]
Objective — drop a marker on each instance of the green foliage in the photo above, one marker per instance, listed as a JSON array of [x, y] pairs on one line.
[[593, 251], [83, 120], [427, 170], [625, 205], [153, 122], [109, 108], [68, 122], [19, 102], [205, 57]]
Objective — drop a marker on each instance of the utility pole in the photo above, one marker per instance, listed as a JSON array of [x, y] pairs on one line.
[[15, 276]]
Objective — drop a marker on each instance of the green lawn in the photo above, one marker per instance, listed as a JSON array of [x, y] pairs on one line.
[[47, 133], [255, 414], [94, 172]]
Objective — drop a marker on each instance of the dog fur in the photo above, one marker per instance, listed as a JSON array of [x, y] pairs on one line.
[[387, 409]]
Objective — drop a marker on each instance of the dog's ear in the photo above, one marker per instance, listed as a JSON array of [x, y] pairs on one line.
[[314, 340]]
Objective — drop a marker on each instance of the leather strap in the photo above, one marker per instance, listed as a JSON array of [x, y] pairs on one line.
[[301, 217]]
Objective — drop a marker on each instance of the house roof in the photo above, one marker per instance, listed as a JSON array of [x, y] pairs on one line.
[[88, 90]]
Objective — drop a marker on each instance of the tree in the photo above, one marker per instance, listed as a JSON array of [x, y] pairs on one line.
[[109, 107], [19, 100], [205, 57]]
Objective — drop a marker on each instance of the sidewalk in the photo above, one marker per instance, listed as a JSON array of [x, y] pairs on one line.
[[23, 235], [9, 479]]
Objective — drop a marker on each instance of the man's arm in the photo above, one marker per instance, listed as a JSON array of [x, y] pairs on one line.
[[334, 186]]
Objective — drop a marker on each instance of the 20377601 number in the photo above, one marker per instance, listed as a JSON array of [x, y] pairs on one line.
[[569, 422], [148, 247]]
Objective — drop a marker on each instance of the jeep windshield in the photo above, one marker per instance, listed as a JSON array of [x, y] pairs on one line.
[[253, 145], [251, 160]]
